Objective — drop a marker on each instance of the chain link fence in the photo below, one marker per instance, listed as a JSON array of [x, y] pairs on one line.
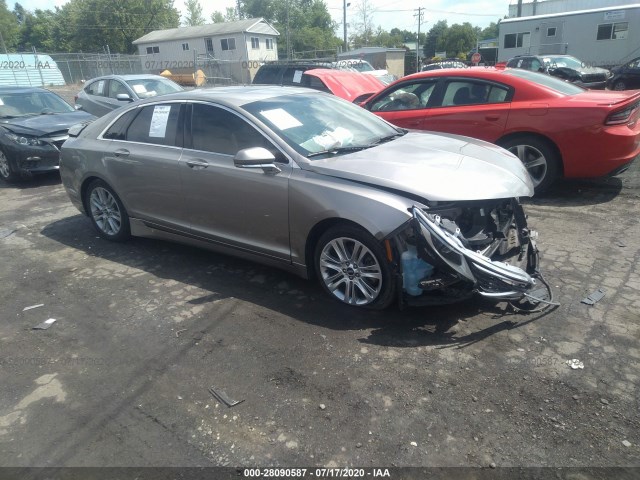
[[78, 67]]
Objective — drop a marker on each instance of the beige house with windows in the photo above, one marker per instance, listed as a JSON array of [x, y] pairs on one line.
[[230, 50]]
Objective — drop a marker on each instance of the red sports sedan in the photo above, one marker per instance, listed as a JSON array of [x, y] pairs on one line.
[[556, 128]]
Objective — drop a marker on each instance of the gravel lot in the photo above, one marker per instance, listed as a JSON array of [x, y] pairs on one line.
[[145, 328]]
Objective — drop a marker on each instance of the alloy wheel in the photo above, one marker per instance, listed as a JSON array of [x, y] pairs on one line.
[[534, 161], [350, 271], [105, 211], [5, 171]]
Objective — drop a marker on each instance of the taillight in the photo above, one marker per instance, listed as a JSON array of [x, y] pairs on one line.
[[622, 116]]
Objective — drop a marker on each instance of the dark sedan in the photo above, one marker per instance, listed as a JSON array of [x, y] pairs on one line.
[[564, 67], [625, 77], [34, 124]]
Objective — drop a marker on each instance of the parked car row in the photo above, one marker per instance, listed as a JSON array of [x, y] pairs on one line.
[[364, 195]]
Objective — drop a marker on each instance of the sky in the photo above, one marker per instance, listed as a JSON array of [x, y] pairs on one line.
[[387, 13]]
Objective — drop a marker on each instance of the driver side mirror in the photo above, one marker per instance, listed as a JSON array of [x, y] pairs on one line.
[[256, 157], [124, 97]]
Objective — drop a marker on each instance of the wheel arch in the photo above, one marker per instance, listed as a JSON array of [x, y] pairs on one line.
[[314, 236], [539, 136], [85, 185]]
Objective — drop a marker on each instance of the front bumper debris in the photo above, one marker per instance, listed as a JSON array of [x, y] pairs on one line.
[[497, 280]]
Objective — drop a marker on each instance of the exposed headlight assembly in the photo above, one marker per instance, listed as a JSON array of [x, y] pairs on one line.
[[492, 279]]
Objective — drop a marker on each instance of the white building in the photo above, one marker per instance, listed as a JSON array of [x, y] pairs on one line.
[[545, 7], [602, 36], [235, 48]]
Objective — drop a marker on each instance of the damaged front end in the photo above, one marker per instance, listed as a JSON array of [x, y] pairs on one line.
[[448, 252]]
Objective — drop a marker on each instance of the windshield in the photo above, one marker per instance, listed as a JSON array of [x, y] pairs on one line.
[[362, 66], [32, 103], [546, 81], [317, 123], [560, 62], [152, 87]]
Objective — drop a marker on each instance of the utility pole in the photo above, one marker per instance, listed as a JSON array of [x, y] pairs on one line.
[[419, 15], [344, 23]]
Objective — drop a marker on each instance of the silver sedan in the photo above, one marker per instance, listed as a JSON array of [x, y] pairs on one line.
[[307, 182]]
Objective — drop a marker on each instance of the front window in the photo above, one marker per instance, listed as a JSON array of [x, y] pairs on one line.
[[546, 81], [185, 46], [151, 87], [151, 50], [255, 43], [216, 130], [406, 97], [269, 42], [32, 103], [321, 124], [228, 44]]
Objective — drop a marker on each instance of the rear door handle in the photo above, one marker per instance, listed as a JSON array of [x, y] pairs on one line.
[[197, 164], [492, 118], [121, 152]]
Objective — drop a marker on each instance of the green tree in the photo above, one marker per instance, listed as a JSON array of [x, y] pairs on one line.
[[9, 27], [489, 32], [432, 41], [193, 16], [231, 15], [458, 39], [307, 22], [90, 25]]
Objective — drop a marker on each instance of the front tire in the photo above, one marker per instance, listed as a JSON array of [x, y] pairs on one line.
[[539, 158], [6, 172], [619, 85], [107, 213], [352, 268]]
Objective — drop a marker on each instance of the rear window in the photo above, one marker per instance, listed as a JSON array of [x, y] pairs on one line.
[[546, 81], [269, 74]]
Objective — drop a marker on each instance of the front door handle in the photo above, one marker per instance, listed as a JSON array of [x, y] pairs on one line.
[[492, 118], [197, 164], [121, 152]]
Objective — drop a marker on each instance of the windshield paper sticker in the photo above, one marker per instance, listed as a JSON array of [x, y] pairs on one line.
[[159, 121], [281, 118], [297, 77], [139, 88], [101, 87]]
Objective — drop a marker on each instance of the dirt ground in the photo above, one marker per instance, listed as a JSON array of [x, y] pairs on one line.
[[144, 329]]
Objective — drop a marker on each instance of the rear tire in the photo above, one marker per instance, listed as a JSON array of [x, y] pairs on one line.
[[540, 159], [352, 268], [107, 213]]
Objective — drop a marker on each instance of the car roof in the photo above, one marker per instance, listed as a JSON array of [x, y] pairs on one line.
[[15, 89], [236, 96], [489, 73]]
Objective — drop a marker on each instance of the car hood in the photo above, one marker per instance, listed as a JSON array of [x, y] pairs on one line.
[[435, 167], [39, 125]]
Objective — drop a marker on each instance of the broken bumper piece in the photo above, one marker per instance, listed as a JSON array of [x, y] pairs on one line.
[[492, 279]]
